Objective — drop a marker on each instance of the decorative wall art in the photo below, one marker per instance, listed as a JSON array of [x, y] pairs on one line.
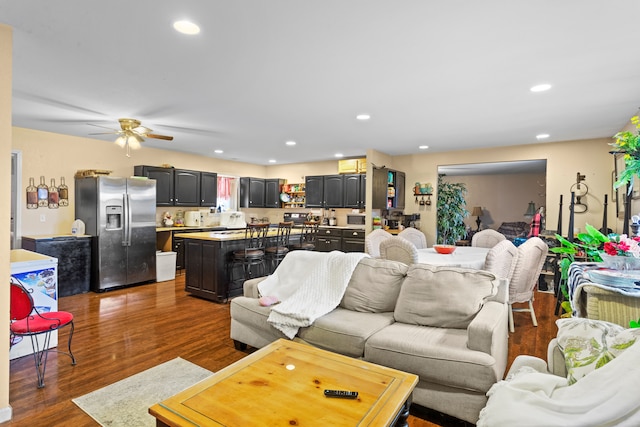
[[44, 196]]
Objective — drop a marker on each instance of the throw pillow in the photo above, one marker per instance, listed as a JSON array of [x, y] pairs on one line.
[[374, 285], [590, 344], [447, 297]]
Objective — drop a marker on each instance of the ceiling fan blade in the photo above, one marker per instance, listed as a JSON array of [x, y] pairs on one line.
[[105, 133], [104, 127], [154, 136]]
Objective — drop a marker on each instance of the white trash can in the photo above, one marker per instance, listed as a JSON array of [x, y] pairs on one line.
[[165, 266]]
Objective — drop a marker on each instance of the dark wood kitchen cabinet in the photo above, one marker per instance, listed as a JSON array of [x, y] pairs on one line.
[[186, 184], [314, 191], [164, 182], [329, 239], [203, 270], [388, 189], [252, 192], [353, 240], [272, 187], [208, 189], [354, 191]]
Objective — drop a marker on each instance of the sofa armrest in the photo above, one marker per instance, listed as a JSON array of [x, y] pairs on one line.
[[250, 287], [555, 359], [502, 295], [487, 332], [529, 361]]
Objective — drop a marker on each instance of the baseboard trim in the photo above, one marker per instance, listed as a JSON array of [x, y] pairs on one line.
[[5, 414]]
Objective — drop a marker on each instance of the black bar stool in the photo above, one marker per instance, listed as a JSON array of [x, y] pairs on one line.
[[276, 253], [307, 237], [253, 254]]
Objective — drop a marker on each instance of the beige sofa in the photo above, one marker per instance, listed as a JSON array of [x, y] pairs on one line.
[[447, 325]]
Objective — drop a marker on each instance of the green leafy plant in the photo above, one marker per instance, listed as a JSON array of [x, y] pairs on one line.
[[587, 246], [451, 211], [634, 323], [628, 143]]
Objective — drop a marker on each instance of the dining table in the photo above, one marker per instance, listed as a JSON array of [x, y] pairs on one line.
[[463, 256]]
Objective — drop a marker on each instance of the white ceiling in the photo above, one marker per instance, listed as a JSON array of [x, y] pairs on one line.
[[450, 74]]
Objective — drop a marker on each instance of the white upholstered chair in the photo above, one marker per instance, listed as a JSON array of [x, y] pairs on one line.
[[487, 238], [398, 249], [372, 241], [501, 259], [415, 236], [529, 262]]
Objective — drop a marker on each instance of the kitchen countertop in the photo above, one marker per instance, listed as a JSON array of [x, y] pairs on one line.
[[174, 228], [56, 236], [227, 235], [343, 227]]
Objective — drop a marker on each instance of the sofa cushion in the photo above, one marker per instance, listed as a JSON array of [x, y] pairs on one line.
[[436, 355], [374, 285], [344, 331], [447, 297]]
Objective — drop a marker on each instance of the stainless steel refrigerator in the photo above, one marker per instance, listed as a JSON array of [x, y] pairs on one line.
[[121, 215]]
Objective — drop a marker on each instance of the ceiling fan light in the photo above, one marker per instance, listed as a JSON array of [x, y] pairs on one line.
[[134, 142], [121, 141]]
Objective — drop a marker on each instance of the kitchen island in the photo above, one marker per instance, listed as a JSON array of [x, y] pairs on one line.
[[207, 255]]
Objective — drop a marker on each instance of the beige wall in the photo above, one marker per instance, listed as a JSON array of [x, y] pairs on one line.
[[5, 165]]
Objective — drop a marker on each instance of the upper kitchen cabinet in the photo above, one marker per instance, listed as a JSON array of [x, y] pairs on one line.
[[354, 191], [181, 187], [186, 185], [333, 191], [252, 192], [314, 191], [208, 189], [388, 189], [324, 191], [164, 182], [272, 191]]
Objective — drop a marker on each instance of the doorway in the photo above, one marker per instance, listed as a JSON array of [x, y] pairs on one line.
[[16, 199]]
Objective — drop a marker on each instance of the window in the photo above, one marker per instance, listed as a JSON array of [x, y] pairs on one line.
[[227, 193]]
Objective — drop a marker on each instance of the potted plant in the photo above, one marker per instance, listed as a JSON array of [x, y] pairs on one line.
[[628, 143], [451, 212]]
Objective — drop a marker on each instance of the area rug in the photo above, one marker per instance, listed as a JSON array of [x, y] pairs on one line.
[[127, 402]]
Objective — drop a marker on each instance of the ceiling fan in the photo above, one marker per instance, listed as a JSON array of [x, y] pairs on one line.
[[132, 133]]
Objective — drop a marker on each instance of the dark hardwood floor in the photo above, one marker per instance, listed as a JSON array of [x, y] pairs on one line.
[[122, 332]]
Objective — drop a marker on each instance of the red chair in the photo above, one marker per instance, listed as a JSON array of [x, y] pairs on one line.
[[26, 321]]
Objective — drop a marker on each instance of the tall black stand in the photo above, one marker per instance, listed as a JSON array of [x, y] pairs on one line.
[[571, 206], [559, 231]]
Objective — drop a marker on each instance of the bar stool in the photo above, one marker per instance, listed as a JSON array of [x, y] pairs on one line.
[[307, 237], [253, 254], [276, 253]]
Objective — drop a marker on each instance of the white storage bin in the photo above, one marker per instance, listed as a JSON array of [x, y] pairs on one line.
[[165, 266]]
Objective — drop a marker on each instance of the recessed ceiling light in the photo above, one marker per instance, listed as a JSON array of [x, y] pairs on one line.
[[540, 88], [542, 136], [339, 155], [186, 27], [218, 151], [423, 147], [272, 160], [290, 143], [363, 117]]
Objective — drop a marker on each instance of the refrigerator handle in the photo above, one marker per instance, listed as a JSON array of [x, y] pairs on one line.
[[127, 221]]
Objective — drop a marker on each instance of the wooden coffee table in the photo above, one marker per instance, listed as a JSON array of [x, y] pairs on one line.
[[283, 384]]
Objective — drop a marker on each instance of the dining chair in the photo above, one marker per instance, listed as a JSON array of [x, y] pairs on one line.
[[487, 238], [522, 284], [372, 241], [501, 259], [399, 249], [27, 321], [275, 253], [415, 236]]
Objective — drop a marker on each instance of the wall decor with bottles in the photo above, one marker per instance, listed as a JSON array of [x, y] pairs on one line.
[[47, 196], [423, 189]]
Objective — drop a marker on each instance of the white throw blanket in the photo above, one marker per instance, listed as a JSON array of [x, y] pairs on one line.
[[605, 397], [309, 285]]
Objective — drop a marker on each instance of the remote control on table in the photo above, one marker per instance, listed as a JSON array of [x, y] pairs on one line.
[[341, 394]]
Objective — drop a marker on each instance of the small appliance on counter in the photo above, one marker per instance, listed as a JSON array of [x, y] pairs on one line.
[[233, 219], [332, 219], [192, 218]]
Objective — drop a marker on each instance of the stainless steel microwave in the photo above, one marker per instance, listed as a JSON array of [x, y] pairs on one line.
[[356, 219]]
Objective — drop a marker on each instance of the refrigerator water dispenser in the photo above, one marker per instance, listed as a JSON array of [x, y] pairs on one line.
[[114, 217]]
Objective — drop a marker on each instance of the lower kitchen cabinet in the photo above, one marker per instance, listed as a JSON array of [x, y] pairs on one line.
[[353, 240], [340, 239]]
